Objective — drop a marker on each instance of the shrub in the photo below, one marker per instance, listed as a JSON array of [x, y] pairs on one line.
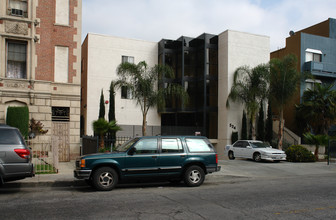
[[18, 117], [234, 137], [298, 153]]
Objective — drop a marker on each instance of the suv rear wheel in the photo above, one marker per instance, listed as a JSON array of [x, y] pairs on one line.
[[105, 178], [194, 176]]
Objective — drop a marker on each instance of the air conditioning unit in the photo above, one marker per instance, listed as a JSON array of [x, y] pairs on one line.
[[16, 12]]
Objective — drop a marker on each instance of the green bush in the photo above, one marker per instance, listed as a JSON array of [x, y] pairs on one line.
[[298, 153], [234, 137], [18, 117]]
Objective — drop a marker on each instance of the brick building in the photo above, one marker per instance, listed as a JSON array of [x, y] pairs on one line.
[[40, 56]]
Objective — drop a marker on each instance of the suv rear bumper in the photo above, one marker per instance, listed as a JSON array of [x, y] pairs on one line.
[[213, 169], [82, 174]]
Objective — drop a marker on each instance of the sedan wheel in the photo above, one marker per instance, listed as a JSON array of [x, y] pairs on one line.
[[231, 155], [257, 157], [105, 179], [194, 176]]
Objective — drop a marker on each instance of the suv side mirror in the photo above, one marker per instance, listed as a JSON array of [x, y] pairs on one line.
[[248, 147], [132, 151]]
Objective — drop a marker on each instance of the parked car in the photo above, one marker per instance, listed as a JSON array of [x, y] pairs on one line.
[[173, 158], [15, 156], [256, 150]]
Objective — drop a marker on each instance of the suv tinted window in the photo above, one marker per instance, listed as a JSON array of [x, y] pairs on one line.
[[146, 146], [198, 145], [171, 145], [10, 136]]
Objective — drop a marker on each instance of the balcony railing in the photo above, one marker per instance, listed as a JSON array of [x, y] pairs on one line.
[[321, 68]]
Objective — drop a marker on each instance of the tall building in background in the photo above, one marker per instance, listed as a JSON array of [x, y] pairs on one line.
[[40, 55], [204, 66], [315, 48]]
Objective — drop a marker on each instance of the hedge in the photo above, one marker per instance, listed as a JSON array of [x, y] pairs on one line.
[[298, 153], [18, 117]]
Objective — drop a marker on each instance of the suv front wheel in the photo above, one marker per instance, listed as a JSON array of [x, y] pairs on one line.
[[105, 178], [194, 176]]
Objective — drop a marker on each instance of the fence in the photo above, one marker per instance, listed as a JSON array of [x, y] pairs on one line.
[[332, 151], [90, 144], [44, 156]]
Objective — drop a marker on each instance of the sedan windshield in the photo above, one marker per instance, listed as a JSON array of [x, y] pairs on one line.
[[259, 144], [124, 147]]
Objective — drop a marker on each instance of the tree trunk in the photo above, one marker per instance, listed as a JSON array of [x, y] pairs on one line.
[[316, 152], [253, 127], [144, 124], [280, 132], [102, 144]]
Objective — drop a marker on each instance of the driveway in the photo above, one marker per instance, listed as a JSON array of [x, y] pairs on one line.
[[249, 168]]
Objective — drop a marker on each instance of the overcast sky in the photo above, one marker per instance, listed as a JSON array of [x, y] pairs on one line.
[[153, 20]]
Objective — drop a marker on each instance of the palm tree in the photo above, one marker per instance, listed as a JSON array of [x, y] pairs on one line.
[[143, 82], [318, 108], [284, 79], [101, 127], [250, 87], [316, 140]]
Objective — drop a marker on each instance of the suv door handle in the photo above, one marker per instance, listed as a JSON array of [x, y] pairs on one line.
[[154, 156], [182, 155]]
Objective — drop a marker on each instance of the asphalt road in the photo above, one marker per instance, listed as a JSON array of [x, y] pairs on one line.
[[283, 195]]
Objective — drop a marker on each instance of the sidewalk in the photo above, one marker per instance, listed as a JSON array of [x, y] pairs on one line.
[[229, 169], [64, 177]]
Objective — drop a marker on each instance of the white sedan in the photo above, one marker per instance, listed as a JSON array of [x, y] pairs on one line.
[[256, 150]]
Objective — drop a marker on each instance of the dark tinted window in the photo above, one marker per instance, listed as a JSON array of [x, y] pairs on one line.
[[238, 144], [10, 136]]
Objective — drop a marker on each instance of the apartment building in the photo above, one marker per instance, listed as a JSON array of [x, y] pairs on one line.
[[40, 55], [315, 48], [204, 66], [101, 55]]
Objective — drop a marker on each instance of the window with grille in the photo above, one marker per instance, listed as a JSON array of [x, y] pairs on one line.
[[16, 60], [18, 8]]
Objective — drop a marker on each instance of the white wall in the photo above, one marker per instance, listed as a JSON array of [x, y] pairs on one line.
[[62, 12], [61, 64], [104, 56], [235, 49]]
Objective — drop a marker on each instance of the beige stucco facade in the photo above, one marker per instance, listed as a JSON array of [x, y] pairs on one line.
[[235, 49], [103, 54]]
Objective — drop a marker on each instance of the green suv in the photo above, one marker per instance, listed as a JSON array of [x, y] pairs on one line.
[[174, 158]]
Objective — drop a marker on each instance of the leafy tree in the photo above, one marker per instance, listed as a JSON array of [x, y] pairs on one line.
[[244, 127], [284, 79], [316, 140], [261, 123], [269, 124], [250, 87], [101, 127], [318, 108], [101, 106], [143, 82]]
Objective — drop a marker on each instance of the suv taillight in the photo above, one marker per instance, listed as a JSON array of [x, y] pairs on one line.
[[23, 153], [216, 158]]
